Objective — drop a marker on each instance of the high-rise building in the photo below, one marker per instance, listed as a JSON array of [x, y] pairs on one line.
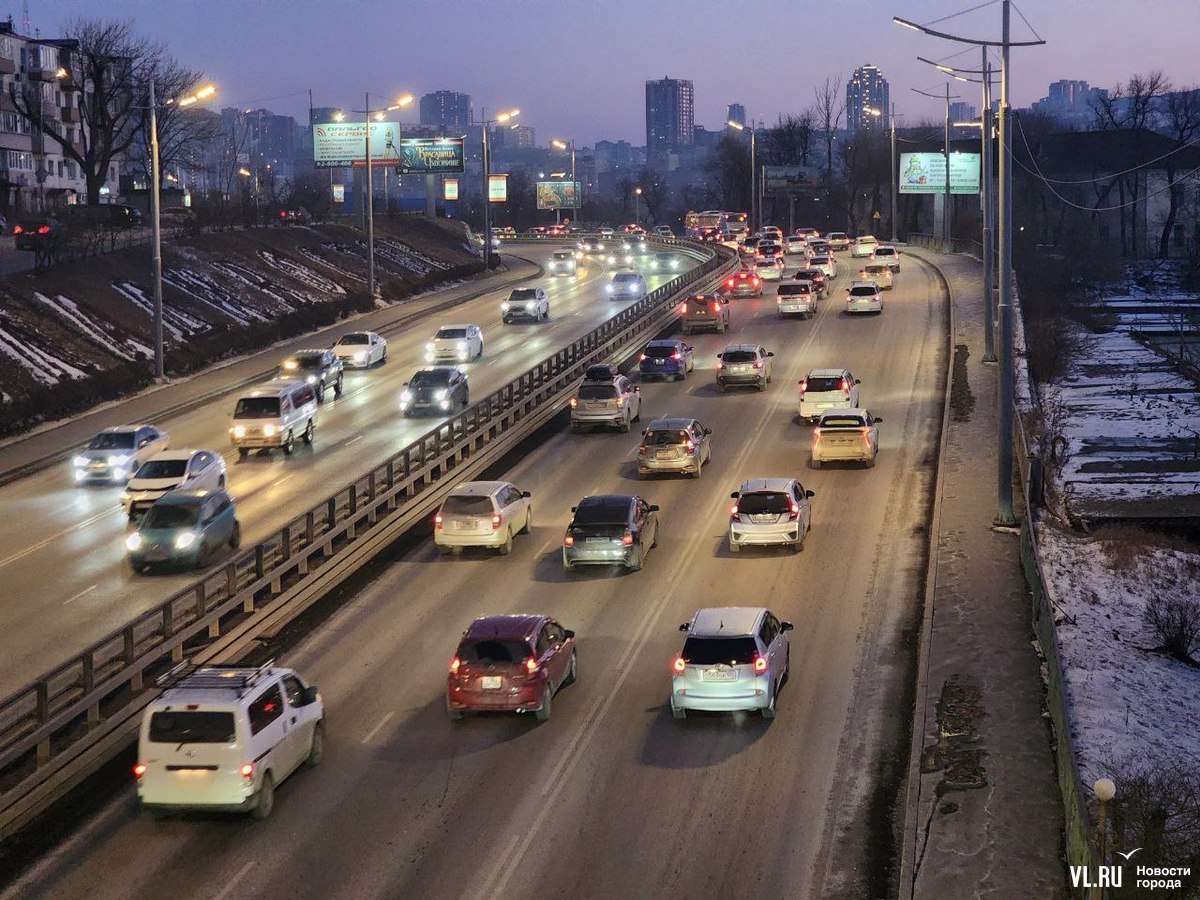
[[447, 111], [736, 113], [1071, 103], [867, 90], [962, 112], [512, 137], [669, 118]]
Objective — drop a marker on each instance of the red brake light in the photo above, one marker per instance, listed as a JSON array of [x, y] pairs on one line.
[[683, 307], [803, 386], [17, 229], [43, 229], [733, 511], [795, 511], [573, 402], [676, 355], [454, 664], [760, 664], [729, 282], [758, 364], [691, 446], [248, 770], [496, 519], [627, 539], [139, 770], [437, 521], [679, 665], [568, 541], [283, 214], [531, 665], [641, 357], [845, 385], [757, 281], [716, 307]]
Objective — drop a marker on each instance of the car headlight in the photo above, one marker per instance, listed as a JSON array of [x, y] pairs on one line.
[[442, 394], [311, 379], [405, 396], [430, 346], [530, 306], [361, 356], [80, 461], [118, 473], [444, 404], [608, 288], [239, 431], [504, 307], [291, 364], [134, 541], [119, 460], [269, 430], [185, 540]]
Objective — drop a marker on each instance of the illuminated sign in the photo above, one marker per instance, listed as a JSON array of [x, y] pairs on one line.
[[925, 173], [497, 189], [450, 189], [340, 144], [558, 195], [431, 156]]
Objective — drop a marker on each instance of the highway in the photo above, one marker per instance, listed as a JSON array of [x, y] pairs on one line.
[[612, 797], [62, 546]]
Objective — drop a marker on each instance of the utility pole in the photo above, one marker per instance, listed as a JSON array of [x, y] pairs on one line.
[[1004, 498], [370, 204], [988, 197]]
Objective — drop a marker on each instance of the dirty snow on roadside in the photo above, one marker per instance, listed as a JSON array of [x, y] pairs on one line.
[[95, 330], [176, 323], [42, 365], [312, 255], [302, 273], [403, 256]]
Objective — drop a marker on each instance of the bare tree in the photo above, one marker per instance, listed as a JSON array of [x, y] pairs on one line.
[[656, 194], [789, 143], [828, 112], [728, 171], [1180, 118]]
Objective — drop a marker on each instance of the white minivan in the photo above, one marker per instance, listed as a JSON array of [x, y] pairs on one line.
[[222, 738], [274, 415]]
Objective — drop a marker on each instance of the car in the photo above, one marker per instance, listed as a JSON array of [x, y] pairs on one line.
[[768, 250], [272, 414], [620, 256], [888, 255], [770, 511], [636, 243], [184, 527], [615, 403], [633, 228], [605, 233], [820, 248], [170, 470], [512, 663], [320, 367], [361, 349], [825, 389], [771, 269], [809, 234], [115, 453], [795, 244], [482, 514], [504, 232], [796, 298], [838, 240], [665, 262], [864, 297], [745, 282], [742, 364], [734, 659], [747, 250], [590, 245], [562, 262], [223, 738], [525, 303], [610, 529], [435, 389], [703, 311], [864, 245], [709, 234], [772, 234], [879, 273], [825, 263], [455, 343], [556, 231], [846, 435], [815, 277], [626, 286], [39, 233], [663, 231], [667, 359], [674, 444]]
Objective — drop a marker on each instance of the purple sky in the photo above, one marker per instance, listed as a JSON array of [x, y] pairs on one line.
[[577, 68]]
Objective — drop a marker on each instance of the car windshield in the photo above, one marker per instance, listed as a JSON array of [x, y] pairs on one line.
[[739, 356], [837, 236], [658, 438], [661, 352], [353, 339], [563, 254], [763, 502], [523, 294], [257, 408], [862, 291], [626, 278], [597, 392], [494, 650], [192, 728], [467, 505], [821, 383], [450, 334], [429, 377], [731, 651], [162, 468], [842, 422], [112, 440], [168, 515], [304, 361]]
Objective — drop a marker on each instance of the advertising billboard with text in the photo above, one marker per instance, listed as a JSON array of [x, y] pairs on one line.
[[789, 179], [558, 195], [431, 156], [450, 189], [925, 173], [340, 144], [497, 188]]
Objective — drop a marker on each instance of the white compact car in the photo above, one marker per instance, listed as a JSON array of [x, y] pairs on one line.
[[626, 286], [361, 349], [846, 435], [770, 512], [455, 344], [223, 738], [734, 659], [168, 470], [115, 453], [863, 246], [888, 255], [770, 269], [482, 514], [825, 389], [796, 298], [562, 262], [864, 297]]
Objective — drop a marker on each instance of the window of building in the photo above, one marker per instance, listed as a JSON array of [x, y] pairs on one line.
[[71, 171], [60, 168]]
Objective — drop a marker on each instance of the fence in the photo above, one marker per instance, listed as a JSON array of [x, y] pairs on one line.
[[969, 246], [57, 730]]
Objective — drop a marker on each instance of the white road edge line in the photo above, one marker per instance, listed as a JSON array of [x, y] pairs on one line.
[[358, 437], [33, 548], [374, 731], [235, 881], [81, 594]]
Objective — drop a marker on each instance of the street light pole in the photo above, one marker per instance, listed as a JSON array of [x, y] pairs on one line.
[[370, 203], [487, 171], [156, 242], [989, 213], [754, 220], [895, 172]]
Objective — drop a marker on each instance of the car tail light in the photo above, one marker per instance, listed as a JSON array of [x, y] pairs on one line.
[[283, 214], [676, 355], [531, 665], [679, 666], [641, 357], [437, 521], [17, 229], [691, 446], [620, 402], [758, 364], [794, 511], [846, 386], [43, 229], [139, 770], [757, 281], [729, 283], [627, 538], [733, 512], [716, 307], [454, 665], [573, 402], [568, 541], [803, 387], [683, 307], [248, 770], [497, 518], [760, 665]]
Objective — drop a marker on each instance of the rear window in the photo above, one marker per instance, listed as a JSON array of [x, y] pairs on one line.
[[739, 356], [792, 290], [862, 291], [597, 392], [112, 440], [449, 334], [467, 506], [163, 468], [192, 728], [738, 651], [841, 422], [660, 352], [257, 408], [661, 438], [885, 251], [494, 650], [824, 383], [763, 502], [603, 513]]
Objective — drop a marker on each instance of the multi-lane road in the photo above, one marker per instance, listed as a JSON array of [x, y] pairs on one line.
[[612, 797]]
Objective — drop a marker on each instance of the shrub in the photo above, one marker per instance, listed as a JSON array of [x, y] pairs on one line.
[[1175, 619]]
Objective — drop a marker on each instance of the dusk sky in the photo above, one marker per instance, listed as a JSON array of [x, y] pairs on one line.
[[578, 69]]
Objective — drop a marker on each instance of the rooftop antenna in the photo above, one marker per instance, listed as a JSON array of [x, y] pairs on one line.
[[25, 17]]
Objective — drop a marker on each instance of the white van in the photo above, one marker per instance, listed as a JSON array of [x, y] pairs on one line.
[[273, 415], [222, 738]]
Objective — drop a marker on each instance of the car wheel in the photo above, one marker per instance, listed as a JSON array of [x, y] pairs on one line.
[[337, 387], [762, 385], [572, 670], [768, 711], [816, 463], [625, 424], [721, 386], [638, 417], [317, 748], [528, 526], [543, 711], [140, 568], [507, 547], [265, 799], [454, 715], [320, 392], [309, 429], [635, 564], [289, 444], [479, 355], [871, 461], [734, 547], [677, 713], [235, 539], [220, 482], [383, 357], [699, 469], [243, 452]]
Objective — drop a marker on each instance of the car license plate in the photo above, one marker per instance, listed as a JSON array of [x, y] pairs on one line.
[[490, 683], [463, 524], [657, 362], [720, 675], [664, 454], [596, 540], [596, 404]]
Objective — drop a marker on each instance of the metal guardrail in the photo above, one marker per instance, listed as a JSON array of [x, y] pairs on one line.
[[970, 246], [58, 729]]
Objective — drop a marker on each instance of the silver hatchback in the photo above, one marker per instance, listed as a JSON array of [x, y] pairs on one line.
[[770, 511]]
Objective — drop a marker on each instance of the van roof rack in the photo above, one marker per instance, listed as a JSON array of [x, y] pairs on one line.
[[235, 678]]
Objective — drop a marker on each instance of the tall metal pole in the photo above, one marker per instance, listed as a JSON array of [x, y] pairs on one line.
[[755, 205], [156, 241], [895, 172], [946, 213], [370, 206], [578, 194], [1004, 499], [487, 205], [989, 213]]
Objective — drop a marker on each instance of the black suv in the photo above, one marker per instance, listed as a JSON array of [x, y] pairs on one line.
[[320, 368], [610, 529], [435, 389]]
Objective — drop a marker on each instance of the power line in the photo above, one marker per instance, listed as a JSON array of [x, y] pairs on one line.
[[1111, 175]]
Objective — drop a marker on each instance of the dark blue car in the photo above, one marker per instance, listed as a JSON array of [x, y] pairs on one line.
[[667, 359]]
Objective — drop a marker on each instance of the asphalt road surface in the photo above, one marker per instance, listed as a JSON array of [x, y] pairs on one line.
[[611, 797]]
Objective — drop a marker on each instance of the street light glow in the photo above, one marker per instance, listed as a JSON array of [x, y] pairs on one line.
[[244, 172], [505, 116], [561, 145], [738, 125], [339, 116]]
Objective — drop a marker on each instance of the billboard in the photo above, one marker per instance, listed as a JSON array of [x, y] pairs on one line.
[[340, 144], [925, 173], [789, 179], [449, 188], [497, 189], [430, 156], [558, 195]]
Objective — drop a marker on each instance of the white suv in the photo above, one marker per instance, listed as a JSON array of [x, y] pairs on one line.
[[770, 511], [222, 738], [482, 514], [455, 344], [864, 297], [824, 389], [734, 658]]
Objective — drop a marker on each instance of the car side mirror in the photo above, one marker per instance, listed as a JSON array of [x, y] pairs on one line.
[[708, 431], [878, 419], [572, 509], [810, 493], [770, 353], [683, 627], [733, 495], [786, 626], [308, 695], [652, 508], [568, 633], [525, 494], [858, 381], [405, 384]]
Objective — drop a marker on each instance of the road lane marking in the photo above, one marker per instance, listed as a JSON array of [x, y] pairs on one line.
[[278, 481], [33, 548], [374, 731], [235, 881], [82, 593]]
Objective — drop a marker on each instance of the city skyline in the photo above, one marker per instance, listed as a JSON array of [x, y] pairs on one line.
[[560, 97]]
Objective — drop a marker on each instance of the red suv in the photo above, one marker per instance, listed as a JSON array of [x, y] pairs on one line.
[[510, 664]]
